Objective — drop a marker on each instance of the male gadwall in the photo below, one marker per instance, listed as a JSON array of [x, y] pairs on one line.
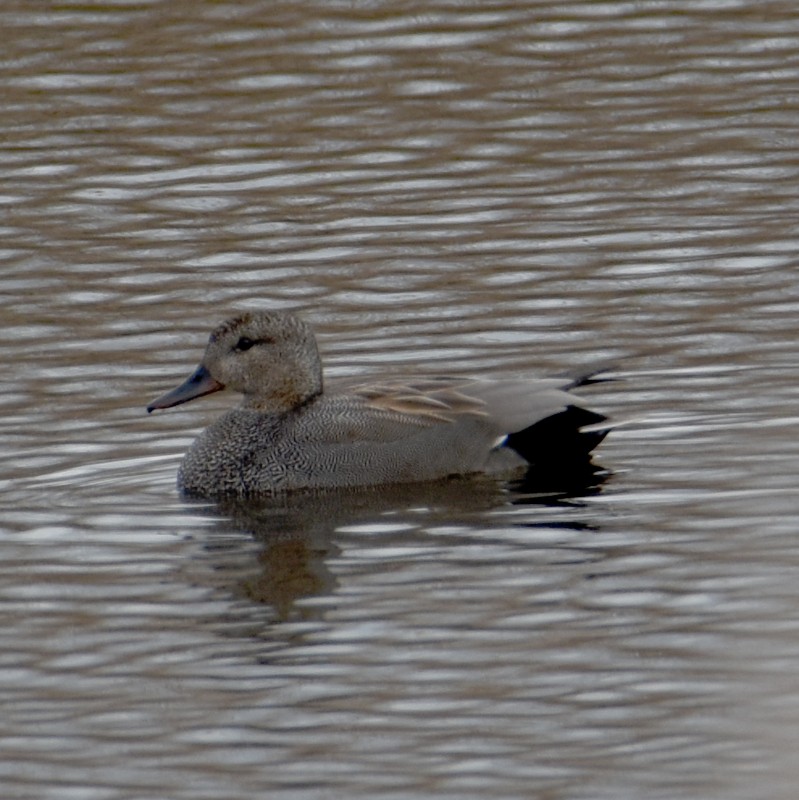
[[290, 433]]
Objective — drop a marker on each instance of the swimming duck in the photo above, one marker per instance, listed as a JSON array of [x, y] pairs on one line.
[[292, 431]]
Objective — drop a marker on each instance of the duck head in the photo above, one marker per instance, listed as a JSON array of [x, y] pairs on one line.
[[269, 356]]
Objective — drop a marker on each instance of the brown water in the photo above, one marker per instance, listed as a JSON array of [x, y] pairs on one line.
[[494, 188]]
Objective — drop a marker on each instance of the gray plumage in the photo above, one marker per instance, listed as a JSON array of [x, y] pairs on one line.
[[289, 433]]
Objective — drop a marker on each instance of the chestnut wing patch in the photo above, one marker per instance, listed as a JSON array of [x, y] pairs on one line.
[[428, 400]]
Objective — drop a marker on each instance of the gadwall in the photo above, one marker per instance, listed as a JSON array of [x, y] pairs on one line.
[[289, 433]]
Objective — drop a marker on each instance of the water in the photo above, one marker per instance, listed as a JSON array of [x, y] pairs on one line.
[[501, 188]]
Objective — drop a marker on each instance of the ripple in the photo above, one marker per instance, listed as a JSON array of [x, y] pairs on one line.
[[479, 191]]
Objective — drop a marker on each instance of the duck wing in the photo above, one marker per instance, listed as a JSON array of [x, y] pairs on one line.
[[506, 405]]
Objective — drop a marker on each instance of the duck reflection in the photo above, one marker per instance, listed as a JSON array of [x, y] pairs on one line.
[[276, 551]]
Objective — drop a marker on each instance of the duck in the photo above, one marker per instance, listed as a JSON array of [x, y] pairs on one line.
[[295, 431]]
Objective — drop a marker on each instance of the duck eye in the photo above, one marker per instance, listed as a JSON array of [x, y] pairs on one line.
[[244, 344]]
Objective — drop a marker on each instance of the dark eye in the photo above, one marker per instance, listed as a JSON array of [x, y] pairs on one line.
[[244, 344]]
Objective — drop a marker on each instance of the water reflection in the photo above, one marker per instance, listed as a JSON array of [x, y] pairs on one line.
[[296, 534]]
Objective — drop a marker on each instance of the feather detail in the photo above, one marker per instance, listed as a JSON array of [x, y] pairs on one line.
[[434, 399]]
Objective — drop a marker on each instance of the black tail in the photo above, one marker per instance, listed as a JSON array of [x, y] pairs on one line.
[[557, 441]]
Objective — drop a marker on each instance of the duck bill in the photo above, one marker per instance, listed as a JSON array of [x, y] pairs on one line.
[[199, 383]]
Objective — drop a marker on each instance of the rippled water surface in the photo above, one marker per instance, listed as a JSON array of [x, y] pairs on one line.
[[490, 188]]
